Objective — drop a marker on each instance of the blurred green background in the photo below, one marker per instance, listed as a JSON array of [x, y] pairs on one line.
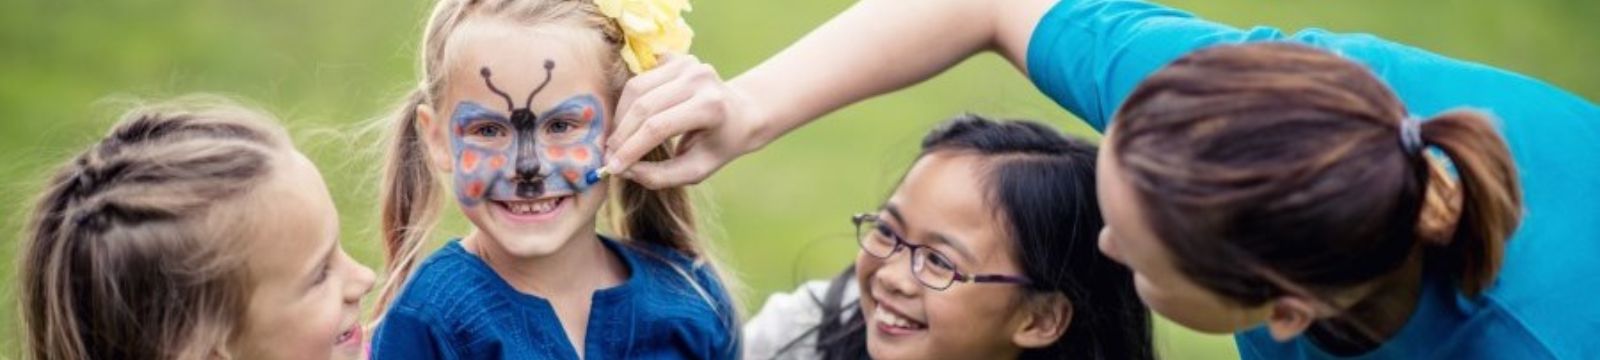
[[327, 67]]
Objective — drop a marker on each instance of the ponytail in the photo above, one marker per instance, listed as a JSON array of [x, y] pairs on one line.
[[664, 217], [1492, 199], [410, 204]]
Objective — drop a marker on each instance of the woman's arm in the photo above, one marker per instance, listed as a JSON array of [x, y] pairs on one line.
[[878, 46], [1085, 54], [874, 47]]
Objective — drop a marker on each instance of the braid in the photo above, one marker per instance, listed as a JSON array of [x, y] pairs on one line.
[[136, 207]]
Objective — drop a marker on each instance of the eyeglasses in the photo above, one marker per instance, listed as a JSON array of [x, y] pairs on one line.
[[932, 268]]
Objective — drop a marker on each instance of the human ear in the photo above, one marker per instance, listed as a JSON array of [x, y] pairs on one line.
[[434, 140], [1290, 316], [1046, 319]]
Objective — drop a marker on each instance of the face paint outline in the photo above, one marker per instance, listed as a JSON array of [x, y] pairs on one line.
[[494, 170], [579, 156], [474, 178]]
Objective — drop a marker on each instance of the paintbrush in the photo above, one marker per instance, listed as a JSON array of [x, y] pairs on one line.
[[594, 177]]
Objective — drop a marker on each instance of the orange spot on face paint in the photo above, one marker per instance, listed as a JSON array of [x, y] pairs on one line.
[[495, 162], [475, 189], [588, 114], [571, 175], [556, 153], [580, 154], [469, 160]]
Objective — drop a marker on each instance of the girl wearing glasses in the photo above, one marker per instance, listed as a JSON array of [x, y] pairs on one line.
[[973, 256]]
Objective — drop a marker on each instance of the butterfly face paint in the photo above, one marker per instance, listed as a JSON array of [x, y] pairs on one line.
[[517, 155]]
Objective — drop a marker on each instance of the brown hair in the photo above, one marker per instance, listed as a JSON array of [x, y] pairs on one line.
[[132, 251], [410, 190], [1276, 166]]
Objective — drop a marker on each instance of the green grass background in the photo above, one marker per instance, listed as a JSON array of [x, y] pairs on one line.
[[325, 67]]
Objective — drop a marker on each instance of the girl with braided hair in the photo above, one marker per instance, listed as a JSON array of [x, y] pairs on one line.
[[193, 230]]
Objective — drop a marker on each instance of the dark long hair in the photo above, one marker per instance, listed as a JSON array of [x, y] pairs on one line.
[[1042, 183], [1281, 169]]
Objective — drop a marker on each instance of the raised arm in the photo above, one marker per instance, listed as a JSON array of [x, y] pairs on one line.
[[878, 46], [874, 47], [1085, 54]]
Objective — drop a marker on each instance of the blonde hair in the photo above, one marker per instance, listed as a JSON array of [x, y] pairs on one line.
[[132, 252], [411, 186]]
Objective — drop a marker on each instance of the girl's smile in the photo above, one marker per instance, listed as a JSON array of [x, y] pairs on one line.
[[892, 323], [532, 211], [350, 340]]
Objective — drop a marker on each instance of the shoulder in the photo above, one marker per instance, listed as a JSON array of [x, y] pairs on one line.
[[1430, 83], [1089, 54], [671, 267], [434, 294], [1532, 333], [787, 322], [680, 297], [406, 334], [660, 255], [1470, 329]]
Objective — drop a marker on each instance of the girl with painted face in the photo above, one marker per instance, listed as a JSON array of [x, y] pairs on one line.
[[984, 251], [193, 230], [515, 98]]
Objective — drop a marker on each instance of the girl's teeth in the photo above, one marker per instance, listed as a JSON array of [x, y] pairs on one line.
[[532, 207], [891, 319]]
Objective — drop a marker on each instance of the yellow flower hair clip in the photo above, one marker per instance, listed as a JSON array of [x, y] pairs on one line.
[[649, 27]]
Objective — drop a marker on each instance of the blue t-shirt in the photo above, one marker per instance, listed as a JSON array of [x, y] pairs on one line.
[[1088, 55], [456, 307]]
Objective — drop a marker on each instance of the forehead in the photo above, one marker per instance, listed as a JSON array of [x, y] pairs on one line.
[[515, 56], [1123, 210], [292, 219], [945, 193], [942, 178], [1116, 196]]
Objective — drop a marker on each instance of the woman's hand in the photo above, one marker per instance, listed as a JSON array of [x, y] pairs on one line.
[[876, 46], [682, 98]]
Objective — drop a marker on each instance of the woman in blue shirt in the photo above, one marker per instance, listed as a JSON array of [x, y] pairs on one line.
[[1089, 55]]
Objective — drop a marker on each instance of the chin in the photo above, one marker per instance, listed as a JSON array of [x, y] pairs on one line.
[[526, 244], [530, 241], [880, 351]]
